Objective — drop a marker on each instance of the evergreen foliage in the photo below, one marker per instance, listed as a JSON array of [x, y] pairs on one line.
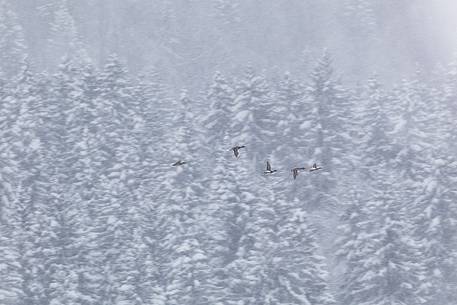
[[93, 212]]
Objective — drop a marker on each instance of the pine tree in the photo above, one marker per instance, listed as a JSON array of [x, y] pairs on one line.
[[6, 136], [278, 261], [300, 271], [415, 138], [111, 247], [384, 263], [83, 157], [434, 215], [330, 130], [10, 275], [27, 212], [149, 134], [28, 219], [332, 110], [217, 120], [229, 198], [222, 185], [376, 148], [251, 271], [11, 280], [66, 208], [290, 116], [155, 105], [180, 208], [150, 261], [152, 124], [396, 272], [413, 129], [251, 93], [252, 123], [435, 227], [353, 246]]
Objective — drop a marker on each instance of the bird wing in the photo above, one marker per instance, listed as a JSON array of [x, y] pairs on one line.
[[268, 166]]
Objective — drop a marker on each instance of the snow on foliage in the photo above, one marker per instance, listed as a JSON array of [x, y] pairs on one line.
[[92, 212]]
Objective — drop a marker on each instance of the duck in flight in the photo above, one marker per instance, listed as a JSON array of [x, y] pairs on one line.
[[236, 150], [295, 171], [178, 163], [269, 170], [315, 168]]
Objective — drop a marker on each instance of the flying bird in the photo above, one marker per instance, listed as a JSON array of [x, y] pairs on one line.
[[295, 171], [269, 170], [236, 150], [315, 168], [178, 163]]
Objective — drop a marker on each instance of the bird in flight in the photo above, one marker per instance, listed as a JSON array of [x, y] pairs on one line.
[[295, 171], [236, 150], [178, 163], [269, 170], [314, 168]]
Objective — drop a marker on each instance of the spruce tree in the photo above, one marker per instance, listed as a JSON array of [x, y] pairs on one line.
[[291, 114], [10, 276], [300, 270], [330, 131], [110, 248], [180, 209], [28, 212], [435, 228]]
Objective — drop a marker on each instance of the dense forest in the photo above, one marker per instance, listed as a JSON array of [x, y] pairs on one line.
[[92, 211]]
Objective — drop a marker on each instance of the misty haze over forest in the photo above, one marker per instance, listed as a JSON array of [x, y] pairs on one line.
[[121, 181], [187, 40]]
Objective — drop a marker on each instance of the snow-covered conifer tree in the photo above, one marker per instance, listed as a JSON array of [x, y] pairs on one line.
[[435, 228], [300, 270], [330, 130]]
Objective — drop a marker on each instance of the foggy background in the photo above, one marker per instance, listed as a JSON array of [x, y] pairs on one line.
[[188, 39]]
